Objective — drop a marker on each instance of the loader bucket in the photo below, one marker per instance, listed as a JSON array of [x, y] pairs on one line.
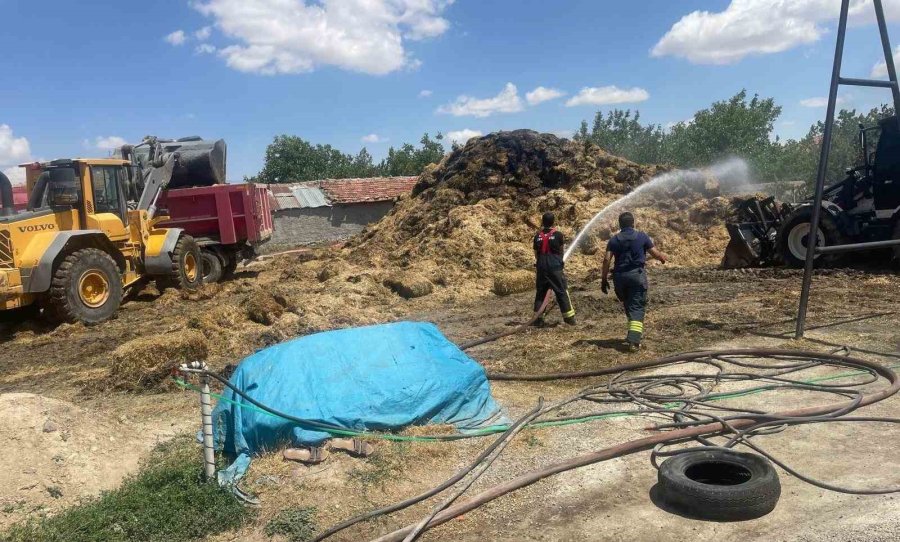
[[740, 251], [201, 162]]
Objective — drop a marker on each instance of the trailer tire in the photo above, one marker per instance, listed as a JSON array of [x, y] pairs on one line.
[[187, 273], [719, 485], [212, 264], [231, 262], [793, 237], [86, 287]]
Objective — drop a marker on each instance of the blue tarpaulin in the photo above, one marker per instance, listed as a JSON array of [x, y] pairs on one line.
[[380, 378]]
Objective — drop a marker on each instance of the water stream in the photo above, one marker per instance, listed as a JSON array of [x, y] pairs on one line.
[[730, 173]]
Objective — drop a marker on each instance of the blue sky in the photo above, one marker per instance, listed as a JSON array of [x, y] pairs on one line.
[[82, 76]]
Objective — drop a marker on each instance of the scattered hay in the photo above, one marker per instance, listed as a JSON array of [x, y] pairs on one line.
[[145, 363], [513, 282], [264, 307], [409, 285]]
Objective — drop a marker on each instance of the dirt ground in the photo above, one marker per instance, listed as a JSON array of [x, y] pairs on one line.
[[67, 369]]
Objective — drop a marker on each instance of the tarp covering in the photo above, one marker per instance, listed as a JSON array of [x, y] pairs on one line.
[[381, 378]]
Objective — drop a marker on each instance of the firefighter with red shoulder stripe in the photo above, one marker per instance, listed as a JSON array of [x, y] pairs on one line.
[[549, 245]]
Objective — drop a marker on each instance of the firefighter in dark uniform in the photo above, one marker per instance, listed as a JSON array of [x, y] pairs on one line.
[[630, 247], [548, 251]]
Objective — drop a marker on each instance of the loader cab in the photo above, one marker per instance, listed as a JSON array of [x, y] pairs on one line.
[[93, 189], [886, 168]]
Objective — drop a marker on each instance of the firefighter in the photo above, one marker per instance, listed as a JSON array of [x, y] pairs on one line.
[[630, 247], [548, 253]]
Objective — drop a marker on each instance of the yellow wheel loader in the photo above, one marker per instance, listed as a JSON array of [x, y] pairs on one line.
[[82, 243]]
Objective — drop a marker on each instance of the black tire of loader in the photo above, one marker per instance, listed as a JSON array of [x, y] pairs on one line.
[[63, 302], [829, 229], [731, 486], [180, 277]]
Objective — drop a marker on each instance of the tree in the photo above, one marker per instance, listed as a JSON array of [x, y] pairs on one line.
[[622, 134], [292, 159], [409, 160], [733, 127]]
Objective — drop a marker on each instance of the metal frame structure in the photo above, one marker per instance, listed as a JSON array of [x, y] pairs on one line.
[[836, 80]]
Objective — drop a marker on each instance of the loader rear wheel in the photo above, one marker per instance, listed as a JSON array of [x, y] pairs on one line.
[[187, 267], [794, 237], [86, 287]]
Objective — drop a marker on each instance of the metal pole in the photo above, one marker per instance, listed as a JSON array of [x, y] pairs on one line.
[[812, 238], [888, 55], [209, 453]]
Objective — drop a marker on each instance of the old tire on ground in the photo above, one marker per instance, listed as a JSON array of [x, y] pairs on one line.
[[212, 265], [86, 287], [187, 272], [720, 485], [793, 237]]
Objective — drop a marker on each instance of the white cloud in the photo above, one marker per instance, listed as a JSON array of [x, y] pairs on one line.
[[204, 49], [820, 101], [295, 36], [372, 138], [204, 33], [459, 137], [176, 38], [507, 101], [880, 69], [543, 94], [109, 143], [608, 95], [754, 27], [15, 174], [425, 93], [13, 150]]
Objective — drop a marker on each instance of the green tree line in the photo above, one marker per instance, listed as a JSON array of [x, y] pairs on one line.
[[291, 159], [739, 126]]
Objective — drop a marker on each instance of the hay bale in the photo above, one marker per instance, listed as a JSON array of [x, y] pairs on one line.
[[513, 282], [409, 285], [146, 362]]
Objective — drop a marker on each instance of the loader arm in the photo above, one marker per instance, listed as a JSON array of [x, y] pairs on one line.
[[155, 181]]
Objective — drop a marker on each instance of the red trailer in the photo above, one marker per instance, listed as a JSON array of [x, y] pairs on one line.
[[228, 221]]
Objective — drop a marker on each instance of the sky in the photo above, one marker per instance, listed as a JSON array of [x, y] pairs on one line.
[[83, 77]]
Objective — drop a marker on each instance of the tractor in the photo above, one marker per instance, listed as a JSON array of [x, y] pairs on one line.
[[863, 207], [83, 242]]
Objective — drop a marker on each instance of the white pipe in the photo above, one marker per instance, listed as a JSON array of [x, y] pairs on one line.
[[209, 452]]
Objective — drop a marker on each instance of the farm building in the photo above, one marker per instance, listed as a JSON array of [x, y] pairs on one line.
[[331, 210]]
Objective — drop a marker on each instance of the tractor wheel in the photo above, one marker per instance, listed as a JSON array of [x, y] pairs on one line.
[[187, 270], [896, 236], [213, 266], [793, 237], [86, 287]]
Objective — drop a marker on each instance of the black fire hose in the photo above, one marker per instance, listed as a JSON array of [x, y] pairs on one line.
[[740, 424]]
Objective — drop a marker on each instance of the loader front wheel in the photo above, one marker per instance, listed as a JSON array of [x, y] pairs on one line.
[[187, 267], [86, 287], [794, 237]]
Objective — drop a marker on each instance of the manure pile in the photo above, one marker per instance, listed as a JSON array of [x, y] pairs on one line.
[[470, 218]]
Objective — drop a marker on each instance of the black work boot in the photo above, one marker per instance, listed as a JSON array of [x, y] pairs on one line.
[[570, 320], [634, 347], [538, 322]]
